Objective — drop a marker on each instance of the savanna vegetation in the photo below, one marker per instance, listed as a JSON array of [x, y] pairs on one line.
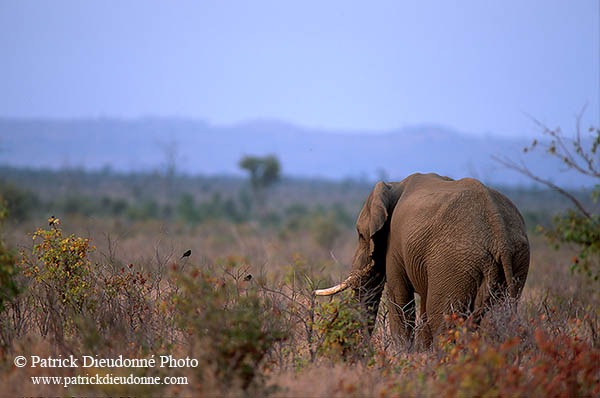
[[91, 264]]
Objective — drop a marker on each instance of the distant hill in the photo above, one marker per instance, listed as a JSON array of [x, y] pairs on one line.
[[143, 144]]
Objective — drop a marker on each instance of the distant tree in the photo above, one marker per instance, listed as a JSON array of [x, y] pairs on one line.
[[264, 172], [171, 159], [579, 226]]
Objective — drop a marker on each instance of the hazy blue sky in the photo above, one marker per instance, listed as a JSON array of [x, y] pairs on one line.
[[477, 66]]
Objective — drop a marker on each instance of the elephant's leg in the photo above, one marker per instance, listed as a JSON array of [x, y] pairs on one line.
[[494, 285], [454, 295], [401, 297], [422, 333], [520, 268], [490, 289]]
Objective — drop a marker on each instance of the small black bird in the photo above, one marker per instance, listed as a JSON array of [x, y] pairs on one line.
[[51, 221], [247, 277], [186, 254]]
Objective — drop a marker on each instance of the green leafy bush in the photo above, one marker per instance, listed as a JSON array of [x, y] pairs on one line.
[[234, 326], [342, 325], [8, 270], [584, 233]]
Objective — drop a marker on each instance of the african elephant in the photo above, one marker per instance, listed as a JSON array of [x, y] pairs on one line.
[[457, 244]]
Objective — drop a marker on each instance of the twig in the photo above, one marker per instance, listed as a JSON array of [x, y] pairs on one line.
[[525, 171]]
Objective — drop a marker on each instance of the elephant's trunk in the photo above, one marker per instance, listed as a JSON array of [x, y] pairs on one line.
[[352, 281]]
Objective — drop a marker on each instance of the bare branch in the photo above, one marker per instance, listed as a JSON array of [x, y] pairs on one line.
[[559, 148], [587, 157], [277, 292], [525, 171]]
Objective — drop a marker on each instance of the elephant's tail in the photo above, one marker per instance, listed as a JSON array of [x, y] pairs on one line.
[[507, 266]]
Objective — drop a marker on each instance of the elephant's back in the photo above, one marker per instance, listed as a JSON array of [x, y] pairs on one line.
[[434, 208]]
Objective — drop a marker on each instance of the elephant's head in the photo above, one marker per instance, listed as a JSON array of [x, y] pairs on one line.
[[368, 266]]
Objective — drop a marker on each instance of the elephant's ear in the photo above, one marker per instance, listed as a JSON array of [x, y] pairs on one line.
[[374, 214], [380, 202]]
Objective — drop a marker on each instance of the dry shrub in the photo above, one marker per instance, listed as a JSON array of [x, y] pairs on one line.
[[338, 380], [512, 358]]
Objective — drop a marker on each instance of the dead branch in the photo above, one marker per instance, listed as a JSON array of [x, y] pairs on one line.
[[525, 171]]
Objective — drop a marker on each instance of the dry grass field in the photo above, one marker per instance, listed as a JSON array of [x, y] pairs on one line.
[[109, 286]]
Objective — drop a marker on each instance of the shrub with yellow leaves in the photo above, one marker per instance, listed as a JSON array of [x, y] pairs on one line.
[[58, 272]]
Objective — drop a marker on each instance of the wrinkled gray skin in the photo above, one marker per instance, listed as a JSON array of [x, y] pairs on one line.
[[457, 244]]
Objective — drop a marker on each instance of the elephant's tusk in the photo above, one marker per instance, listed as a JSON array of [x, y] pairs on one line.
[[335, 289], [351, 280]]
